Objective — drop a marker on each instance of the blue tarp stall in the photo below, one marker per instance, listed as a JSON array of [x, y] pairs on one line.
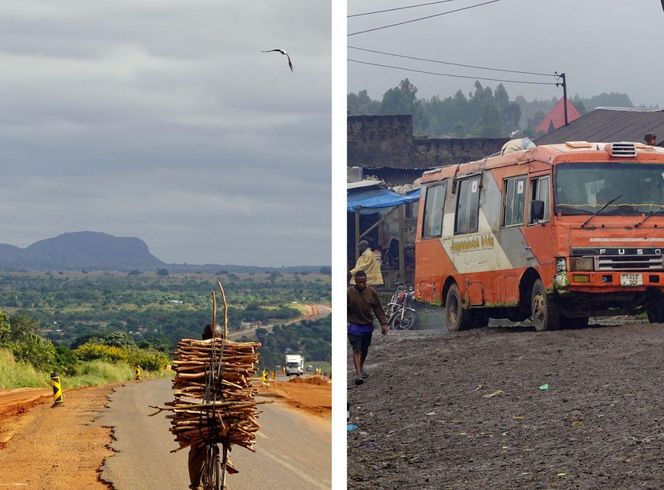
[[383, 201], [378, 198]]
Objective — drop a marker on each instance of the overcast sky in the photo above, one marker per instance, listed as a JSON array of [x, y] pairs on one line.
[[161, 119], [601, 45]]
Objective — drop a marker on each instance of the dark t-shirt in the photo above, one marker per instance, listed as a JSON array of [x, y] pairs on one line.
[[363, 305]]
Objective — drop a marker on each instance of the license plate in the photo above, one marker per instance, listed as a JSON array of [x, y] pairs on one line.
[[631, 280]]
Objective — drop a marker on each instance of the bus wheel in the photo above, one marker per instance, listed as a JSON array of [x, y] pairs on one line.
[[656, 312], [457, 318], [543, 309]]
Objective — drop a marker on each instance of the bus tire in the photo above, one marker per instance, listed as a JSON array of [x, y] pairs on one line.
[[456, 316], [543, 309]]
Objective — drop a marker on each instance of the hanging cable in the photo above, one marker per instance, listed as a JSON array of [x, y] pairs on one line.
[[422, 18], [452, 64], [529, 82], [399, 8]]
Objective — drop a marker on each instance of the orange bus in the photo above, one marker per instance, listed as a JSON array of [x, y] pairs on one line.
[[555, 233]]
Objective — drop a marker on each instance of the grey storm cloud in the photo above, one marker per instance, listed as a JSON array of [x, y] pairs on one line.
[[601, 45], [163, 120]]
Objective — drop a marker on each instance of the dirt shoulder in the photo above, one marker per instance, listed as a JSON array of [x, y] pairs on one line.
[[42, 447], [312, 395], [511, 408], [52, 448]]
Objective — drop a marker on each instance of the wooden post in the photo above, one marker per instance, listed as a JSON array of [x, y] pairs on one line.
[[402, 265], [357, 234]]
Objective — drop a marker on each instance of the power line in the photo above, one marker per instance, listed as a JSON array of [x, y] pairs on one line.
[[450, 63], [400, 8], [422, 18], [529, 82]]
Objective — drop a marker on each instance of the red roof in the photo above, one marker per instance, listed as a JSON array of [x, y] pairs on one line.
[[556, 117]]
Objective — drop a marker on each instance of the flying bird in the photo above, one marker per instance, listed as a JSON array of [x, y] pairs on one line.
[[290, 64]]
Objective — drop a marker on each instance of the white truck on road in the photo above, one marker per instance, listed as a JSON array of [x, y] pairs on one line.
[[294, 364]]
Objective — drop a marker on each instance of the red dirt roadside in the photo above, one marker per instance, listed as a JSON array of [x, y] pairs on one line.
[[52, 448], [312, 394], [42, 447]]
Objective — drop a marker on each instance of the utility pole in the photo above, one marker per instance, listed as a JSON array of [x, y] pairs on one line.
[[564, 84]]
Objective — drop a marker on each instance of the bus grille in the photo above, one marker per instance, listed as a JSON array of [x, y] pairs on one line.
[[629, 263]]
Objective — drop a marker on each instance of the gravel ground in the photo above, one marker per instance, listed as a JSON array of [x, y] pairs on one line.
[[508, 407]]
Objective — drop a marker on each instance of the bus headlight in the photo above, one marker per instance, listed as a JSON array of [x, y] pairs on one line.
[[581, 263], [561, 264]]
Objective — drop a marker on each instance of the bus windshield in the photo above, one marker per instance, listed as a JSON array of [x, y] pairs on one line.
[[584, 188]]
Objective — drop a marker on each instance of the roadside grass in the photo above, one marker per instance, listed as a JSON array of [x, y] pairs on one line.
[[96, 373], [18, 374]]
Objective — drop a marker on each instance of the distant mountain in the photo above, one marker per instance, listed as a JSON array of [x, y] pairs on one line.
[[92, 250], [81, 250]]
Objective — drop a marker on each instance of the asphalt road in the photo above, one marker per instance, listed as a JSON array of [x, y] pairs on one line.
[[292, 449]]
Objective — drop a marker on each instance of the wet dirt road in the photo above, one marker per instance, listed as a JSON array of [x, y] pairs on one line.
[[511, 408]]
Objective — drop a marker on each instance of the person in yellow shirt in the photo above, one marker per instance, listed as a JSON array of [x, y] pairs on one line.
[[369, 263]]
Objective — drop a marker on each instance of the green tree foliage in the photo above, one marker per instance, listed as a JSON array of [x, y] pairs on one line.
[[361, 104], [65, 361], [312, 339], [400, 100], [22, 338], [72, 309], [482, 113], [5, 329]]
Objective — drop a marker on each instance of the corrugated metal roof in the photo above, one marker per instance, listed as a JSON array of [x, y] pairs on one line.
[[609, 125], [363, 184]]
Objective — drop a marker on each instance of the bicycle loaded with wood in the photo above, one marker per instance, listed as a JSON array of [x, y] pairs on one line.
[[214, 403]]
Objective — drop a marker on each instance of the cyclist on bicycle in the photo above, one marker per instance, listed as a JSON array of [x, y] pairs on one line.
[[197, 451]]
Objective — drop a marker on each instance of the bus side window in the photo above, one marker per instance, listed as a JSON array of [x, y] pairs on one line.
[[514, 201], [432, 224], [468, 206], [540, 192]]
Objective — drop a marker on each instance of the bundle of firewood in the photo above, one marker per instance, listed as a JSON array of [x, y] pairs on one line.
[[209, 407]]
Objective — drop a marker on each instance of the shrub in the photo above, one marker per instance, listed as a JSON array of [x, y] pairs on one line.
[[150, 360], [93, 351], [65, 361], [36, 350]]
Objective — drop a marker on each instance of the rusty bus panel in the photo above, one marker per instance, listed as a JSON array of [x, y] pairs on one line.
[[597, 246]]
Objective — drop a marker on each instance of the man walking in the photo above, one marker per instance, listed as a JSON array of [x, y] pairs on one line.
[[363, 305]]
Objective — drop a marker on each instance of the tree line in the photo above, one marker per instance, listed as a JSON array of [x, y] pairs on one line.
[[484, 112], [311, 338]]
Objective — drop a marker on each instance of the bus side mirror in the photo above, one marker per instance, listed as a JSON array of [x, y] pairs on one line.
[[536, 211]]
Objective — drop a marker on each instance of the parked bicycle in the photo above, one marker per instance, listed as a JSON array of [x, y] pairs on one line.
[[400, 312]]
